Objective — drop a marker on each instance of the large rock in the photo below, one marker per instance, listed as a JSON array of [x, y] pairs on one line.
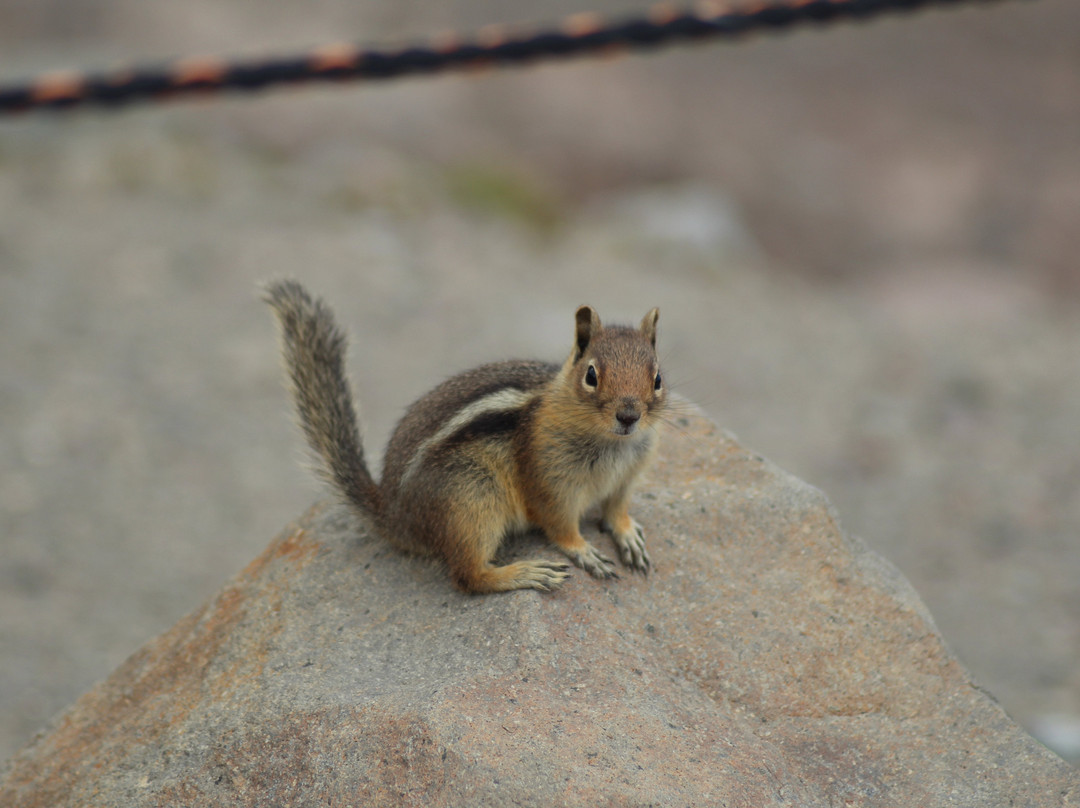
[[770, 659]]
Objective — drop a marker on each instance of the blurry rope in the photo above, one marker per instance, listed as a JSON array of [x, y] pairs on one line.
[[491, 46]]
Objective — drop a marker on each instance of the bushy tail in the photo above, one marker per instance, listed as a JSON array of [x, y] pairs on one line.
[[314, 351]]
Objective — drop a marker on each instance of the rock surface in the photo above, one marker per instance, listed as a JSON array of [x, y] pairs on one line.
[[769, 660]]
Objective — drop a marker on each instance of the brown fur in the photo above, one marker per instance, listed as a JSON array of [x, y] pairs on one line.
[[493, 450]]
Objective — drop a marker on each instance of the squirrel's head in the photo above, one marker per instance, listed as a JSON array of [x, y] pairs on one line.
[[614, 372]]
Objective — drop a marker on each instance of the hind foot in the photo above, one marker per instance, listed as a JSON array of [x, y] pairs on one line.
[[545, 576]]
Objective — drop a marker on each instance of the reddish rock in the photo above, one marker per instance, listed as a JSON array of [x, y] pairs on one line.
[[770, 659]]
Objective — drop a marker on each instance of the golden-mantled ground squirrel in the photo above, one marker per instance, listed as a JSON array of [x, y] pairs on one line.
[[493, 450]]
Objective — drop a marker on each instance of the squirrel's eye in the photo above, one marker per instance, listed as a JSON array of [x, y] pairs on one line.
[[657, 382], [590, 376]]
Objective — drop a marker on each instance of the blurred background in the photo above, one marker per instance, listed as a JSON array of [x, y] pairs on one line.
[[863, 241]]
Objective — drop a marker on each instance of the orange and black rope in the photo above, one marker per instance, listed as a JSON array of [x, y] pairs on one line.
[[577, 35]]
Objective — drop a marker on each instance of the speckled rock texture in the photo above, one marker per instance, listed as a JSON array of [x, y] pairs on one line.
[[770, 659]]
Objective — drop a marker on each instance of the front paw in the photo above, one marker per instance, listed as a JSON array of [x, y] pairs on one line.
[[592, 562], [631, 544]]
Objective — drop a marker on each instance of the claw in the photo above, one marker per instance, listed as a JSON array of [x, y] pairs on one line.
[[547, 576], [592, 562], [631, 545]]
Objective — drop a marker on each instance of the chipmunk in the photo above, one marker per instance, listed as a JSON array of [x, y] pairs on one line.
[[493, 450]]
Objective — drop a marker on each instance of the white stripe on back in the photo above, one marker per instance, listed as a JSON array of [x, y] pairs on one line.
[[499, 401]]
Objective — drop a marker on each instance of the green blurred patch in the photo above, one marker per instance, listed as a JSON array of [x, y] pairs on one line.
[[504, 192]]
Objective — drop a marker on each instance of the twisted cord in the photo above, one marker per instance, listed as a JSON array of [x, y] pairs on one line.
[[498, 46]]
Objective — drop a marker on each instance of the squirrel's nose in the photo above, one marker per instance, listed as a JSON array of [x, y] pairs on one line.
[[628, 417]]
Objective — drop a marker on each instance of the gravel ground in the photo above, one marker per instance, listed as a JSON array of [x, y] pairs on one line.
[[862, 243]]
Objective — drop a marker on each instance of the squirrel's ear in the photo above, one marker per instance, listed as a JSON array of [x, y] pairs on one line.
[[588, 325], [648, 326]]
